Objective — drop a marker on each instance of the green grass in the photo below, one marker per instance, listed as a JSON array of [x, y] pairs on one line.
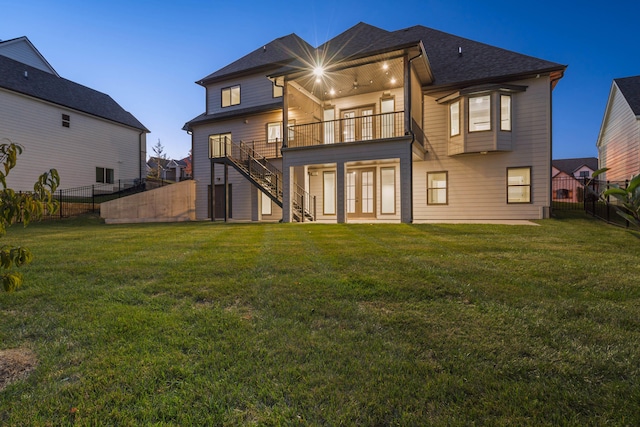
[[290, 324]]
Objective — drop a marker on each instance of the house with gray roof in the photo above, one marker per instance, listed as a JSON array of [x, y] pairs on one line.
[[413, 125], [83, 133], [619, 138], [569, 176]]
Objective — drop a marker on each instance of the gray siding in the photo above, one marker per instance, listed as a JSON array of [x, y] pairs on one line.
[[477, 182], [254, 91], [75, 151], [243, 202], [619, 143], [21, 51]]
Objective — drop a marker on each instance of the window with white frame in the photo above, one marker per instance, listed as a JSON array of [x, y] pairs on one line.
[[274, 132], [329, 192], [505, 112], [388, 190], [231, 96], [454, 116], [436, 188], [519, 185], [479, 113], [387, 108]]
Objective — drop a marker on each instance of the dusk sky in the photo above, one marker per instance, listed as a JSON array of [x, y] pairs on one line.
[[147, 54]]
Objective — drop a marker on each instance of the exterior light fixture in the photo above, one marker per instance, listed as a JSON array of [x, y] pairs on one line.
[[385, 66], [318, 71], [332, 92], [393, 80]]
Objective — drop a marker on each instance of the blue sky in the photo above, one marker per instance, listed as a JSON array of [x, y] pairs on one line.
[[148, 54]]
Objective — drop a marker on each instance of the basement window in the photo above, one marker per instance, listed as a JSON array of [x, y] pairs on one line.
[[104, 175], [65, 120]]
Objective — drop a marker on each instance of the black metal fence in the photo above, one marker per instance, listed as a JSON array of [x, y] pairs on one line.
[[87, 199], [604, 208], [570, 193]]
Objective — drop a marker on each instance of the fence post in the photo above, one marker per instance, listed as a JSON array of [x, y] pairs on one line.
[[608, 206], [93, 198], [60, 202]]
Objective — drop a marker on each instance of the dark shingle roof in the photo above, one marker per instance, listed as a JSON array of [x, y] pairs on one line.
[[48, 87], [359, 40], [569, 166], [477, 61], [630, 88], [277, 52]]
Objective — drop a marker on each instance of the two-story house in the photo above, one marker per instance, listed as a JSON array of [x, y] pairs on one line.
[[84, 134], [619, 138], [378, 126]]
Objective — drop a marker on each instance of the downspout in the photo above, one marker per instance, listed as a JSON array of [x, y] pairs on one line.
[[410, 128], [142, 162], [549, 190], [285, 108]]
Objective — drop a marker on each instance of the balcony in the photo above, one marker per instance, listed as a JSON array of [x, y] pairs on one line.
[[348, 130]]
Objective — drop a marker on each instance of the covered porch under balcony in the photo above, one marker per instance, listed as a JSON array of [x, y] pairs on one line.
[[352, 182]]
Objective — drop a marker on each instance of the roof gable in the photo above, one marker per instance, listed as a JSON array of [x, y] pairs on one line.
[[275, 53], [630, 89], [21, 78], [22, 50], [570, 166], [358, 40]]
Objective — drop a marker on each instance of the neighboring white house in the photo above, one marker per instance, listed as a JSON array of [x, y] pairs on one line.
[[82, 133], [619, 139], [378, 126]]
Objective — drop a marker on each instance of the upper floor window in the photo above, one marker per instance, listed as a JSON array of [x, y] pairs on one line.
[[479, 113], [66, 120], [584, 174], [274, 132], [505, 112], [454, 115], [231, 96]]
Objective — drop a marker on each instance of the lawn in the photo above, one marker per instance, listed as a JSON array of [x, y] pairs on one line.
[[309, 324]]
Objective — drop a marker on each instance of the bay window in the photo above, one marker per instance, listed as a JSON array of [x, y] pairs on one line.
[[454, 115], [505, 112], [479, 113]]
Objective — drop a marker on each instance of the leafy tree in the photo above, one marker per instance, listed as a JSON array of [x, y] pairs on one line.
[[628, 198], [21, 207]]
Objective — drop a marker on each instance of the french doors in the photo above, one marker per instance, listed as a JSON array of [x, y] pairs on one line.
[[361, 193]]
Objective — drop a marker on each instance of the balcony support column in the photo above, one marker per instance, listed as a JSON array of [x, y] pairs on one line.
[[287, 190], [285, 114], [406, 184]]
